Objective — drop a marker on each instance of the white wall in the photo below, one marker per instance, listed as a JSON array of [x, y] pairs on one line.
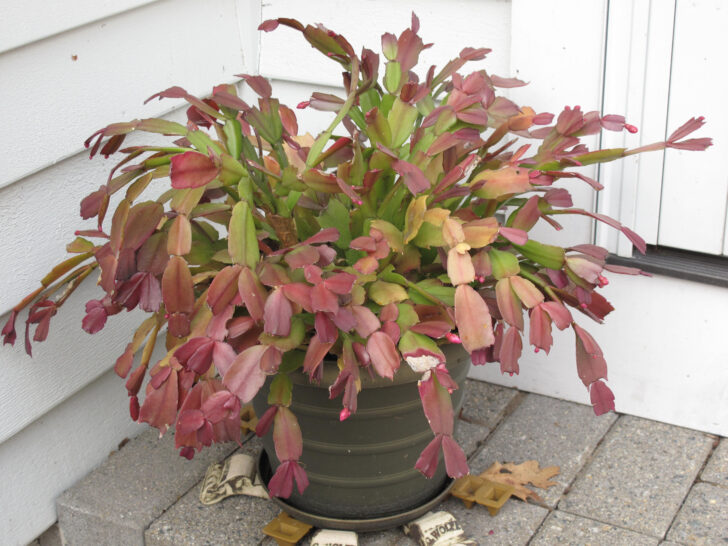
[[68, 71], [664, 342]]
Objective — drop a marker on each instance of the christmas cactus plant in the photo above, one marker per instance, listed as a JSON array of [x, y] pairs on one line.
[[401, 227]]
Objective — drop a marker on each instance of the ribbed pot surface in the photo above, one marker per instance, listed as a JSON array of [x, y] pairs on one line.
[[364, 467]]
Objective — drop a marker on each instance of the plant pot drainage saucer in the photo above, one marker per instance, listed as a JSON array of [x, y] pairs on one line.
[[362, 525]]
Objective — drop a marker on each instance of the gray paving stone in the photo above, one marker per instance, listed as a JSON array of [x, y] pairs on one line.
[[716, 471], [703, 518], [469, 436], [236, 520], [567, 529], [639, 476], [552, 432], [514, 524], [485, 403], [118, 500]]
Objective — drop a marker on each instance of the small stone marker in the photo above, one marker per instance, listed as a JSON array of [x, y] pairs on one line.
[[328, 537], [438, 529], [237, 475]]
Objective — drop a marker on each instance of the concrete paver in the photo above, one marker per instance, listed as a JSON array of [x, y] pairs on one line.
[[570, 530], [552, 432], [639, 476], [703, 519], [485, 403], [716, 471]]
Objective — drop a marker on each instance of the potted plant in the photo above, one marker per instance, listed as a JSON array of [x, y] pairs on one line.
[[401, 229]]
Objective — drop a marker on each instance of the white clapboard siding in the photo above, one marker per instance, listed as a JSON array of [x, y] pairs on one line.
[[32, 20], [568, 36], [452, 25], [636, 84], [57, 91], [695, 186], [56, 451]]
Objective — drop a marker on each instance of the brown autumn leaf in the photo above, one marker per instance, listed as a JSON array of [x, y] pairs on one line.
[[518, 475]]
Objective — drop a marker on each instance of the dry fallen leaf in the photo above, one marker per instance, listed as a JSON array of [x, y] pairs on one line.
[[518, 475]]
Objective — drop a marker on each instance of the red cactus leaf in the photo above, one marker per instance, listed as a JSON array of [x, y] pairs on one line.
[[258, 84], [456, 464], [540, 329], [244, 378], [323, 299], [437, 405], [224, 288], [510, 351], [366, 321], [325, 327], [189, 421], [252, 293], [473, 319], [514, 235], [140, 223], [460, 267], [427, 461], [601, 397], [328, 235], [590, 363], [413, 177], [558, 313], [526, 291], [432, 328], [299, 293], [179, 239], [277, 314], [160, 405], [302, 256], [508, 303], [340, 283], [383, 354], [223, 356], [201, 360], [287, 435], [192, 170], [506, 181], [177, 287], [315, 354], [266, 421]]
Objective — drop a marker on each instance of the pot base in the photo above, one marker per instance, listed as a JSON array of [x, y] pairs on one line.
[[360, 525]]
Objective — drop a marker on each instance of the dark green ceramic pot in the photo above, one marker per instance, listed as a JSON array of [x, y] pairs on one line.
[[364, 467]]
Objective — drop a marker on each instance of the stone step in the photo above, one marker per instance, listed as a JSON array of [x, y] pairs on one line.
[[118, 501]]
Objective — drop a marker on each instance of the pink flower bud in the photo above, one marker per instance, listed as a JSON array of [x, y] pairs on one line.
[[452, 338], [344, 414], [631, 128], [302, 105], [583, 305]]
